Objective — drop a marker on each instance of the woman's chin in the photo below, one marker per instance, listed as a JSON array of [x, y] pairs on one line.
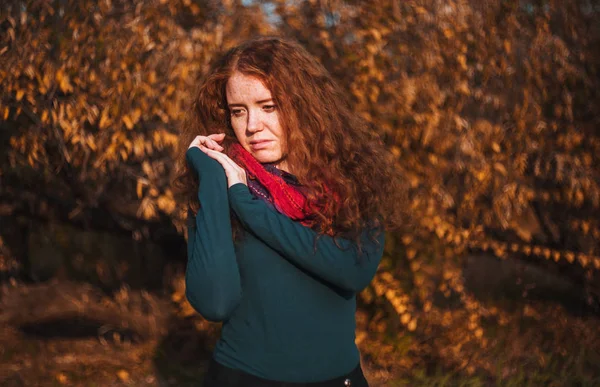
[[265, 157]]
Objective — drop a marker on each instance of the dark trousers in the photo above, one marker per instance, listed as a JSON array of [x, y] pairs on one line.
[[219, 375]]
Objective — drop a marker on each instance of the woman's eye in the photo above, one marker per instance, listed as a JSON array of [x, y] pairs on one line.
[[269, 108], [237, 112]]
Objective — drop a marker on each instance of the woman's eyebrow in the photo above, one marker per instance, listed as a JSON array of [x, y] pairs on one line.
[[243, 104]]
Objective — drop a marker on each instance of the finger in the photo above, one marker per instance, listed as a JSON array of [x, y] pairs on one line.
[[215, 155], [203, 140], [217, 136], [210, 143], [229, 161], [225, 160], [234, 173], [197, 141], [232, 170]]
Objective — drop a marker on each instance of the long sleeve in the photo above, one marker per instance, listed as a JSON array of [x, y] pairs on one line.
[[212, 276], [339, 266]]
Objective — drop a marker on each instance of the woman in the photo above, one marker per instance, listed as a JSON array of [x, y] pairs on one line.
[[289, 193]]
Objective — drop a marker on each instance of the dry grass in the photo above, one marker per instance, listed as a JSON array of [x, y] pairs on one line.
[[533, 344]]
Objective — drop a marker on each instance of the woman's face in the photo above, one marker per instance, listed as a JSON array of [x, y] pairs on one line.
[[255, 119]]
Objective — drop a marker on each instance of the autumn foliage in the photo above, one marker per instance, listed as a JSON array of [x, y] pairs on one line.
[[491, 108]]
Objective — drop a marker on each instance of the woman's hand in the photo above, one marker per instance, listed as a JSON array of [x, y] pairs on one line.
[[209, 145], [211, 141], [235, 174]]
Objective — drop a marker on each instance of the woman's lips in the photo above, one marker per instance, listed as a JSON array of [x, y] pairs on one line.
[[260, 144]]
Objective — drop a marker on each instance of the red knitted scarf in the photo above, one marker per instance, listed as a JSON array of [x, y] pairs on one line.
[[285, 197]]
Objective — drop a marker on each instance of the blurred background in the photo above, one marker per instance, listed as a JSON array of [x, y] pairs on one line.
[[491, 108]]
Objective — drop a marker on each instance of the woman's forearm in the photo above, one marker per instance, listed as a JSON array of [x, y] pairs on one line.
[[212, 276], [343, 267]]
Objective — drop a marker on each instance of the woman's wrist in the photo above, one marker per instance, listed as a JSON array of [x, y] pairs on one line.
[[202, 164], [239, 186]]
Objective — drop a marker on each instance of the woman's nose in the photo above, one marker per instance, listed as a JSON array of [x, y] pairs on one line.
[[254, 122]]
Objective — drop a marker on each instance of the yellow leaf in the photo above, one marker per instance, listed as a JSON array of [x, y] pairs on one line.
[[412, 325], [123, 375], [152, 77], [177, 296], [463, 88], [61, 378], [570, 256], [579, 198], [91, 142], [376, 34], [149, 212], [64, 82], [405, 318], [128, 122], [547, 253], [20, 94], [556, 255], [138, 146], [138, 189], [135, 115], [166, 204], [462, 60], [500, 168], [104, 120], [360, 337], [480, 175], [585, 227]]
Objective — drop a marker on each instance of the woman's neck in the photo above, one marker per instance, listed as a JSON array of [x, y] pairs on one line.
[[283, 166]]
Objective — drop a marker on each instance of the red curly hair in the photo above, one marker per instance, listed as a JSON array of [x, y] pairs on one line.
[[328, 144]]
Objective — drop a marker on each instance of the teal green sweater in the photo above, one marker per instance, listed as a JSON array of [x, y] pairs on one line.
[[288, 312]]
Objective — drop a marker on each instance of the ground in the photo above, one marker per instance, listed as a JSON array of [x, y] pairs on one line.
[[67, 333]]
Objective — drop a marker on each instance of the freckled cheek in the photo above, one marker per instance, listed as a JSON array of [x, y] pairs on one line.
[[239, 131], [276, 128]]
